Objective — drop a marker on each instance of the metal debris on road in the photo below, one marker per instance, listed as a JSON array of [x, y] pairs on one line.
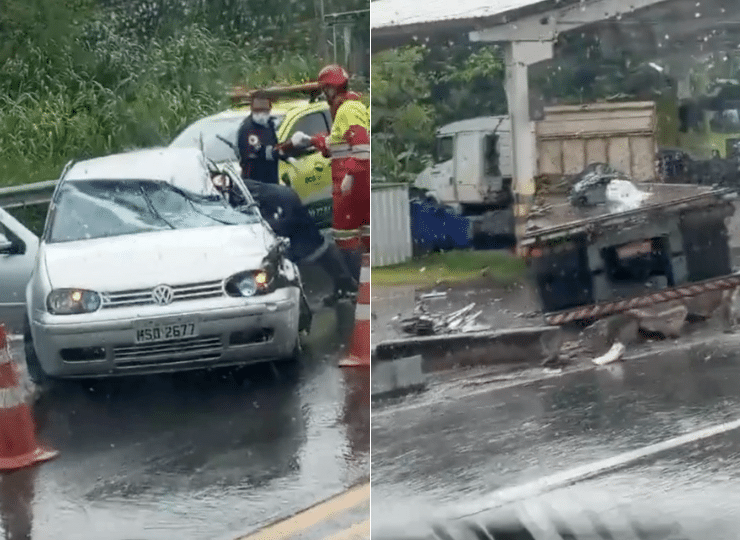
[[425, 323], [433, 295]]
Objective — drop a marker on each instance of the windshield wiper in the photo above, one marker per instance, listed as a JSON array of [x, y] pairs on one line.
[[231, 145], [150, 204]]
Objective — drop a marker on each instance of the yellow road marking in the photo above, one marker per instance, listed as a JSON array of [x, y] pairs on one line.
[[313, 515], [358, 531]]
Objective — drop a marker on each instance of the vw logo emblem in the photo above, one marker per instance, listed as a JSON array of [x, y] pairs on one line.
[[162, 294]]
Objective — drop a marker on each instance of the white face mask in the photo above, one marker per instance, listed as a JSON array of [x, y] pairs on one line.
[[261, 118]]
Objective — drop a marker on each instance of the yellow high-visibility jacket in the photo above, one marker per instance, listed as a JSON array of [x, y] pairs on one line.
[[350, 113]]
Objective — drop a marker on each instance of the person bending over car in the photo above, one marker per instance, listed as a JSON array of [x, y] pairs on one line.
[[259, 154]]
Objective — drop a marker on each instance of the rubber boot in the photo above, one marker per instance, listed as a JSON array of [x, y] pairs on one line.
[[333, 262]]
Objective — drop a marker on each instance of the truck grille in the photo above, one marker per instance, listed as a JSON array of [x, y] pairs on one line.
[[205, 348], [143, 297]]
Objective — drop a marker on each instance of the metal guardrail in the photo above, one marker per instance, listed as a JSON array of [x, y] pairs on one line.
[[36, 193]]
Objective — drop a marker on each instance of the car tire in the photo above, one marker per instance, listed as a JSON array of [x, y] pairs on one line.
[[35, 372]]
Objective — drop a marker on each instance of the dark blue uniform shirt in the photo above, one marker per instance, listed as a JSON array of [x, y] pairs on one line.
[[257, 154]]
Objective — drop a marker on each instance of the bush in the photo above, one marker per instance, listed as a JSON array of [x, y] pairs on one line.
[[92, 87]]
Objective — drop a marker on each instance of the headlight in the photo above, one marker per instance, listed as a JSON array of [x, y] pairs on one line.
[[246, 285], [251, 283], [69, 301]]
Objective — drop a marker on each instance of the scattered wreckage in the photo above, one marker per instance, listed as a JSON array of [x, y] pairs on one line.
[[628, 255], [425, 323], [614, 246]]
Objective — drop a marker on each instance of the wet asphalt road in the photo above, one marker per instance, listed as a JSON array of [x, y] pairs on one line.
[[198, 455], [446, 452]]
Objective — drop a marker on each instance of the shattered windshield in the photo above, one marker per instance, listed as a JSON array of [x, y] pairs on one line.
[[103, 208]]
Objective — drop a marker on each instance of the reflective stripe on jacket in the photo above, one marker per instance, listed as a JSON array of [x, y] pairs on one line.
[[342, 151]]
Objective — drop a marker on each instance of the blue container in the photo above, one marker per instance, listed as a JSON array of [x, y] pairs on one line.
[[436, 228]]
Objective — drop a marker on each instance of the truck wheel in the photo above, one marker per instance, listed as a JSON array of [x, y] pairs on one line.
[[707, 250], [35, 372], [563, 280]]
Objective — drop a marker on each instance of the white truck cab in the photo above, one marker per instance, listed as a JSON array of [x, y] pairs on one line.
[[472, 164]]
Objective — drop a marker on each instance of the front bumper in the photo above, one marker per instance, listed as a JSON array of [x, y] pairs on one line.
[[232, 331]]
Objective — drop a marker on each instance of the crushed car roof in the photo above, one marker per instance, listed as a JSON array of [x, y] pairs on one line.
[[185, 168]]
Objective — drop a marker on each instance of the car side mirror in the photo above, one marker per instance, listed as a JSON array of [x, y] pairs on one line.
[[6, 246]]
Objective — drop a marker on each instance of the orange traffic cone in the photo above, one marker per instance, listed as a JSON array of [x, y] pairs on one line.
[[18, 446], [359, 351]]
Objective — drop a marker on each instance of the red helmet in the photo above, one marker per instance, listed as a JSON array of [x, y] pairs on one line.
[[334, 75]]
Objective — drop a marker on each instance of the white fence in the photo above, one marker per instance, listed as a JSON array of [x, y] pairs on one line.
[[390, 224]]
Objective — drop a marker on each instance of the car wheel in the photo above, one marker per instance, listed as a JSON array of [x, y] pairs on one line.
[[35, 372]]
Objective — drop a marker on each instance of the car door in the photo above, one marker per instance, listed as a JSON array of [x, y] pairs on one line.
[[310, 176], [18, 249]]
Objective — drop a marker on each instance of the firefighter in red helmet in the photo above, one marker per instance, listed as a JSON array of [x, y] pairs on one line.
[[348, 145]]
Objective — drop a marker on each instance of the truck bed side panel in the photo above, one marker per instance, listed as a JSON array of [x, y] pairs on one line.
[[574, 155], [550, 158], [643, 158]]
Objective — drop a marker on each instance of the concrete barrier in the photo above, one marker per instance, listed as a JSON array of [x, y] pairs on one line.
[[394, 377], [534, 346]]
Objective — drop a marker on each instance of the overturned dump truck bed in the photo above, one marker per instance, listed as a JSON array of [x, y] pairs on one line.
[[589, 262]]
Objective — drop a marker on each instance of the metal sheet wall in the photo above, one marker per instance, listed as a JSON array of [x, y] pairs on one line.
[[390, 224]]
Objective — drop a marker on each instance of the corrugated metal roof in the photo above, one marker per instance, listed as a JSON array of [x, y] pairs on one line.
[[390, 13]]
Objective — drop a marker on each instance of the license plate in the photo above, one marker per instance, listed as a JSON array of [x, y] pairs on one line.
[[635, 248], [166, 332]]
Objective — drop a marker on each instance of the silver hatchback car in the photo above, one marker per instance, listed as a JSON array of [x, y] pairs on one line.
[[143, 267]]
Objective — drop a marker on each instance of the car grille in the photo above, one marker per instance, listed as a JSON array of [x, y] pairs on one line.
[[206, 347], [143, 297]]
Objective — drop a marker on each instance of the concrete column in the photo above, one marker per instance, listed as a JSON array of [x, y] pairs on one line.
[[684, 90], [519, 55]]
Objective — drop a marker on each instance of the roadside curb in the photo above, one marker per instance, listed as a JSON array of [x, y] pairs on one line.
[[396, 377], [529, 345]]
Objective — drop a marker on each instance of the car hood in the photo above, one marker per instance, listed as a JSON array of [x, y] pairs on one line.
[[163, 257]]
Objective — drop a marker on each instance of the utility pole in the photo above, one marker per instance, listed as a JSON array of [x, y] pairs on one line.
[[344, 21], [323, 52]]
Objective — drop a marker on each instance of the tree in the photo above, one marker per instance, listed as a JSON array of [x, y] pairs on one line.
[[402, 120]]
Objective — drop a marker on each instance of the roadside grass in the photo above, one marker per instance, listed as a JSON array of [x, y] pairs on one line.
[[96, 90], [457, 266]]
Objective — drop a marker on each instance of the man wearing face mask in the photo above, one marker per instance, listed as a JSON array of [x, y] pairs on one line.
[[283, 209], [258, 144]]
